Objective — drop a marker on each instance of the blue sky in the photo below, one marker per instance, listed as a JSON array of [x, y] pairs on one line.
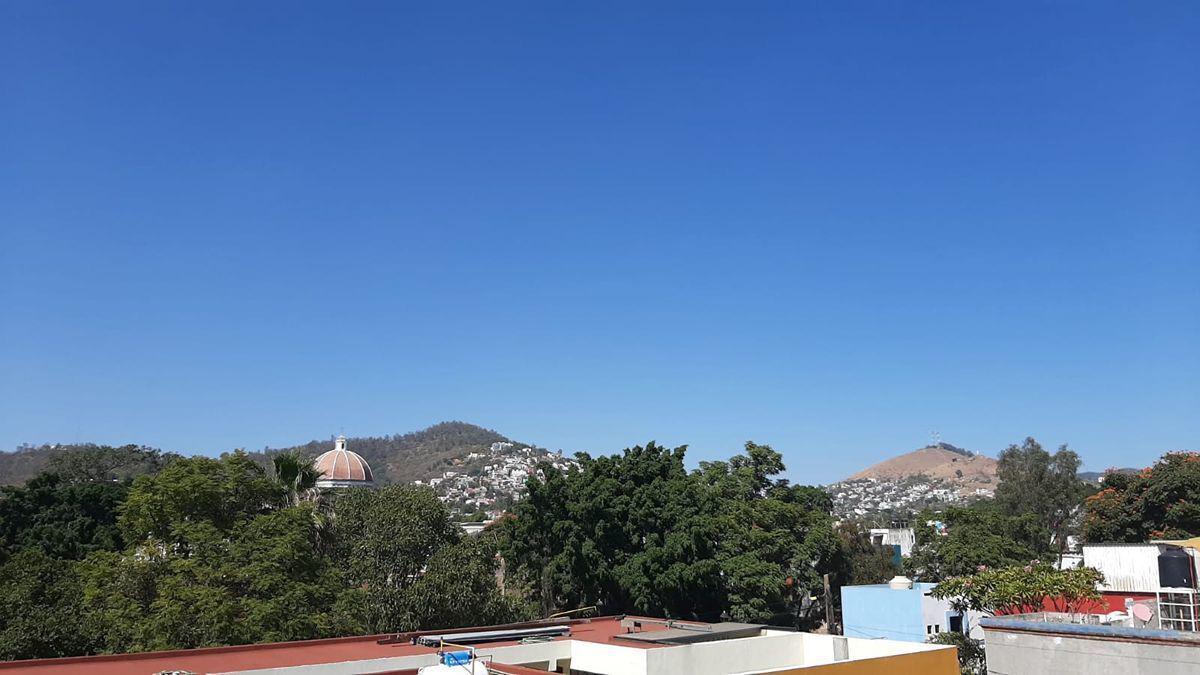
[[832, 227]]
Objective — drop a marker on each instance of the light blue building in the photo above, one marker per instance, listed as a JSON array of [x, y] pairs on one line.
[[901, 610]]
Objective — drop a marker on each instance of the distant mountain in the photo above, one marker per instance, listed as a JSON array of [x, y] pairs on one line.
[[400, 458], [896, 488], [966, 470], [24, 463], [420, 455], [1095, 476]]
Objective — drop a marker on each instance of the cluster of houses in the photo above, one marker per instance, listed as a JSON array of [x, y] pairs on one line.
[[489, 482], [869, 496]]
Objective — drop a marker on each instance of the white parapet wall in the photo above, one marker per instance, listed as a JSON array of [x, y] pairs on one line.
[[595, 657], [770, 651]]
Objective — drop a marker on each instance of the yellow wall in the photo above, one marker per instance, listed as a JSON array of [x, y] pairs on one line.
[[935, 662]]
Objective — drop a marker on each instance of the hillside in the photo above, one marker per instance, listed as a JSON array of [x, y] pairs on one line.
[[399, 458], [419, 455], [24, 463], [935, 462], [927, 477]]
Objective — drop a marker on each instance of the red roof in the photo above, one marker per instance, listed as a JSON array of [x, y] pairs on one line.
[[284, 654]]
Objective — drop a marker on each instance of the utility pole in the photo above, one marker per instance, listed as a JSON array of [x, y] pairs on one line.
[[828, 607]]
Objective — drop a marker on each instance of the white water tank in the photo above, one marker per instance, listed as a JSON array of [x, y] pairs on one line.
[[900, 583]]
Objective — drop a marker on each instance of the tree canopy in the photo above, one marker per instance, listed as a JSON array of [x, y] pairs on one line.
[[862, 562], [213, 552], [1160, 502], [1032, 481], [961, 539], [63, 520], [636, 532], [1022, 589]]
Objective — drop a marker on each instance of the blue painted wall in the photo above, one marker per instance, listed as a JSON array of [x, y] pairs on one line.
[[877, 611]]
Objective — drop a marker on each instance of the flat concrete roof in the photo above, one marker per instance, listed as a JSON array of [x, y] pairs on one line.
[[683, 636], [1030, 623], [300, 653]]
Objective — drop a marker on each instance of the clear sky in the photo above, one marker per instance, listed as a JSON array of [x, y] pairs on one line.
[[832, 227]]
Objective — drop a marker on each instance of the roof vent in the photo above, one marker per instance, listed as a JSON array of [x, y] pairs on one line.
[[900, 583]]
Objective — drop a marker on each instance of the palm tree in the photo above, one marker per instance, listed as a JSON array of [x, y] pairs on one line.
[[298, 476]]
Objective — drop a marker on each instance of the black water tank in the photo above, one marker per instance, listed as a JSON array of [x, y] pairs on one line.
[[1175, 569]]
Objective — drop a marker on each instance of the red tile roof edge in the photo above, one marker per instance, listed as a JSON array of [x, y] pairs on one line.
[[380, 638], [225, 649]]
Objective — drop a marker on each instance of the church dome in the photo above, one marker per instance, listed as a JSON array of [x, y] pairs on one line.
[[342, 468]]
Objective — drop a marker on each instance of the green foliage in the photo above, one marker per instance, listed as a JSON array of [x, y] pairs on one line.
[[84, 462], [458, 588], [776, 539], [218, 493], [860, 561], [1032, 481], [385, 539], [637, 533], [972, 659], [63, 520], [1020, 590], [1160, 502], [261, 581], [39, 614], [297, 475], [104, 463], [975, 535], [216, 554], [628, 531]]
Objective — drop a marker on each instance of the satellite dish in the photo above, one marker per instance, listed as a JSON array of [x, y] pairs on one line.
[[1142, 613]]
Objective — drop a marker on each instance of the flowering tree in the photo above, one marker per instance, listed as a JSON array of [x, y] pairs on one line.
[[1020, 590], [1159, 502]]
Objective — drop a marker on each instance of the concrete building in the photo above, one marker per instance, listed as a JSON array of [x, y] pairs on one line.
[[601, 646], [1049, 642], [900, 539], [902, 610]]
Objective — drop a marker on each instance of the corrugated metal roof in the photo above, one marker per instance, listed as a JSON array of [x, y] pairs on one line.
[[1127, 568]]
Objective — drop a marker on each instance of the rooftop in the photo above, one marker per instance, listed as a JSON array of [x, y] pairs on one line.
[[1089, 626], [610, 645]]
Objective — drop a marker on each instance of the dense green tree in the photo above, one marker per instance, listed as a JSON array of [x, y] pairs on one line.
[[386, 540], [636, 532], [206, 576], [458, 588], [105, 463], [860, 561], [964, 538], [624, 532], [1032, 481], [1160, 502], [263, 580], [198, 490], [64, 520], [776, 539], [39, 608]]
